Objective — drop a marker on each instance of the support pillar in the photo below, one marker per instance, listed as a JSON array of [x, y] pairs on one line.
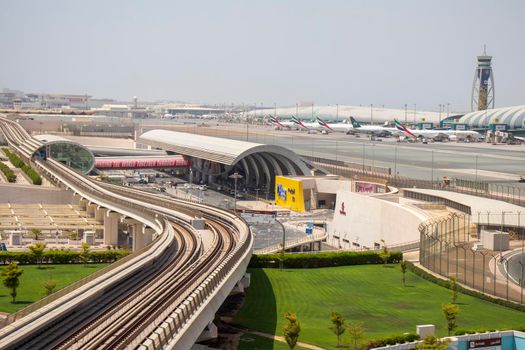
[[91, 209], [111, 220], [83, 203], [148, 235], [138, 236], [100, 213]]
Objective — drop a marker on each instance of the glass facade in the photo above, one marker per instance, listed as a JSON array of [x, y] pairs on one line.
[[73, 155]]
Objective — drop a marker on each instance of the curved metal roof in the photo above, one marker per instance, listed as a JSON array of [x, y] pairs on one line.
[[215, 149], [46, 139], [513, 116]]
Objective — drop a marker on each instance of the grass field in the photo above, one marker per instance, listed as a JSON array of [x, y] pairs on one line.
[[250, 341], [34, 276], [371, 294]]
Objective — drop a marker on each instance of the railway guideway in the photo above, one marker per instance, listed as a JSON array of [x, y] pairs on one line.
[[175, 327]]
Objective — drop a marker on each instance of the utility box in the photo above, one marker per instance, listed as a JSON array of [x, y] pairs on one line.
[[495, 240], [15, 238], [425, 329], [89, 237]]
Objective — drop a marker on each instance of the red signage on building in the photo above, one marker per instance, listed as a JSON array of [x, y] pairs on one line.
[[342, 210], [484, 343]]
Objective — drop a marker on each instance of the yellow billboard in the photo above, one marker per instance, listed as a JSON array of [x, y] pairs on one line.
[[289, 193]]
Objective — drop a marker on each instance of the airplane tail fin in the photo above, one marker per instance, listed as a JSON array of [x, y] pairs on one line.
[[403, 128], [355, 123]]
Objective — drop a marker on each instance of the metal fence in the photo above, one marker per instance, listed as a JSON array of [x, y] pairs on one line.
[[507, 193], [450, 247]]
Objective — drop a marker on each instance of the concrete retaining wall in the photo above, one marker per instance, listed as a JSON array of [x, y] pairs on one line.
[[366, 220], [29, 194]]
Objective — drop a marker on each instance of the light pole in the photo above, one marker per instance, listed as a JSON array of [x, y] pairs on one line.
[[440, 107], [337, 113], [432, 173], [363, 157], [371, 114], [297, 110], [414, 114], [395, 161], [312, 111], [448, 105], [235, 176], [476, 168], [406, 111], [275, 109]]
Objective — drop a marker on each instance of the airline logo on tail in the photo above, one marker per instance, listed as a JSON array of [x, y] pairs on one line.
[[275, 120], [323, 123], [403, 128], [298, 122], [355, 123]]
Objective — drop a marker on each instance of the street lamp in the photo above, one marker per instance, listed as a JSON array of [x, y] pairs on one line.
[[235, 176]]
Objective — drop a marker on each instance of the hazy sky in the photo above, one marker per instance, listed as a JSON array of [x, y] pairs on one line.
[[348, 52]]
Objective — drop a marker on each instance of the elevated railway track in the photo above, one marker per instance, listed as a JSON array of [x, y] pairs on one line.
[[161, 297]]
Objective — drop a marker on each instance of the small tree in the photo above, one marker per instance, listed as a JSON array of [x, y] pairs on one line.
[[454, 288], [38, 251], [291, 330], [356, 332], [432, 343], [403, 265], [49, 286], [84, 256], [450, 311], [11, 278], [36, 232], [338, 326], [384, 254]]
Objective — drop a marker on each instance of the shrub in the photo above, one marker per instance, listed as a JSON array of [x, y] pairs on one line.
[[327, 259], [9, 174], [19, 163], [392, 340], [485, 330], [62, 257]]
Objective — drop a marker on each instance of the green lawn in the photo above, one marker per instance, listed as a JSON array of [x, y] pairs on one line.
[[371, 294], [31, 290], [250, 341]]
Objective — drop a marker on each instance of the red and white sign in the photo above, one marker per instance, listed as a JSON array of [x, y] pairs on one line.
[[151, 163]]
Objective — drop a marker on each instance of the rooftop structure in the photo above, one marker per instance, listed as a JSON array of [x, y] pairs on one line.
[[71, 153], [213, 158], [514, 117]]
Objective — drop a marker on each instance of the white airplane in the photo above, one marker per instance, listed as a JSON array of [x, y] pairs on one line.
[[281, 124], [436, 135], [463, 135], [335, 127], [312, 126], [377, 130]]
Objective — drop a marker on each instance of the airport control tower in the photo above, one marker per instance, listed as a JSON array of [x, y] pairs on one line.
[[483, 86]]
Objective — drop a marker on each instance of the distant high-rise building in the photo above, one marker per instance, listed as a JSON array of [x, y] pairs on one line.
[[483, 86]]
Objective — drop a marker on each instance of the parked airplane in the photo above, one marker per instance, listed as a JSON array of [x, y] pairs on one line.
[[437, 135], [373, 129], [307, 126], [463, 135], [281, 124], [334, 127]]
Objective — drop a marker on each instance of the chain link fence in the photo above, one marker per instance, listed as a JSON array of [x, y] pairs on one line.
[[450, 246]]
